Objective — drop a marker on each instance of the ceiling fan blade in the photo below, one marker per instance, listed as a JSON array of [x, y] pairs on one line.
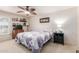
[[34, 13], [20, 11], [32, 9], [21, 7]]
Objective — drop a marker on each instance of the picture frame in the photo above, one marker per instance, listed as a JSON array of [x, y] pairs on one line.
[[44, 20]]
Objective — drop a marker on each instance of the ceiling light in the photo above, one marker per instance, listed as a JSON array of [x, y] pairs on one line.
[[26, 12]]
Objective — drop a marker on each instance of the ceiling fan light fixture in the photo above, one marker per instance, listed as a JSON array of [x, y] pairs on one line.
[[26, 12]]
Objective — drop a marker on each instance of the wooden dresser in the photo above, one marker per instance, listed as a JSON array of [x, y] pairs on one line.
[[15, 32]]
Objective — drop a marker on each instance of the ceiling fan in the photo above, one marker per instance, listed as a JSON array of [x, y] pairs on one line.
[[28, 11]]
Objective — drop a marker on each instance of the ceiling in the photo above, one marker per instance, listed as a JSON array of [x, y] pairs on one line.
[[50, 9], [40, 9]]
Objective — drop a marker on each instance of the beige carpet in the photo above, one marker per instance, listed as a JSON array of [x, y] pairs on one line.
[[10, 46]]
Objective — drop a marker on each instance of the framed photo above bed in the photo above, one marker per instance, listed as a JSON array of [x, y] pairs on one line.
[[44, 20]]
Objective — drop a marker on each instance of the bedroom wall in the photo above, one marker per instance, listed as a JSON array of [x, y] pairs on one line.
[[78, 26], [10, 16], [69, 27]]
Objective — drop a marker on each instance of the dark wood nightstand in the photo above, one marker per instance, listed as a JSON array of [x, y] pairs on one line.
[[59, 38]]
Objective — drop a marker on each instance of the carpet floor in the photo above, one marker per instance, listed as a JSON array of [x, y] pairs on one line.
[[10, 46]]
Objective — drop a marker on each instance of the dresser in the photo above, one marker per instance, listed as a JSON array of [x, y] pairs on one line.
[[15, 32], [59, 38]]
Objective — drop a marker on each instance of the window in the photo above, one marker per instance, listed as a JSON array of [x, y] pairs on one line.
[[4, 25]]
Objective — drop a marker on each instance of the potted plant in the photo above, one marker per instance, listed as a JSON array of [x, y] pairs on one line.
[[19, 28]]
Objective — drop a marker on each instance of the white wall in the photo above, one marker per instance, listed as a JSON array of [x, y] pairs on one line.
[[69, 27], [78, 26]]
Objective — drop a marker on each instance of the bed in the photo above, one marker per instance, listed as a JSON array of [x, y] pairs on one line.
[[33, 40]]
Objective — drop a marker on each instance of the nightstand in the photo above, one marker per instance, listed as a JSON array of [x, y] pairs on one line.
[[59, 38]]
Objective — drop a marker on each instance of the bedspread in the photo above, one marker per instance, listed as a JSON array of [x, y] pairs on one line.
[[33, 40]]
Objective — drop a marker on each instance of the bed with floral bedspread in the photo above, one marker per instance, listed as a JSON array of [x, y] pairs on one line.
[[33, 40]]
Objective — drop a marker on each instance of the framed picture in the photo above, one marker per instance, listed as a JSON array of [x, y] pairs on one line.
[[44, 20]]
